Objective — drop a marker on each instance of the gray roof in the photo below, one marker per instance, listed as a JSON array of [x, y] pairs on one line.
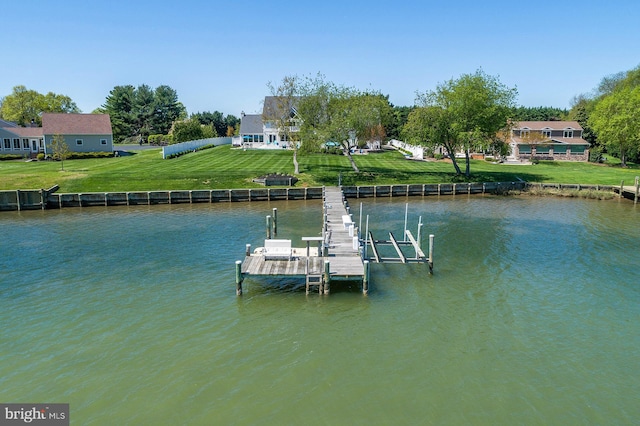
[[274, 105], [4, 123], [251, 124]]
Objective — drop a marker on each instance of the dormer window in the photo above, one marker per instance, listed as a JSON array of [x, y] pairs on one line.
[[524, 133], [546, 133], [568, 133]]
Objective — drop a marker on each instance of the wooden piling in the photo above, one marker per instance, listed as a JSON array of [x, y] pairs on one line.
[[268, 224], [275, 222], [248, 250], [239, 278], [431, 238], [327, 277], [365, 278]]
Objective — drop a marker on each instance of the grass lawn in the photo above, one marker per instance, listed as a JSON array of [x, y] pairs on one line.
[[224, 167]]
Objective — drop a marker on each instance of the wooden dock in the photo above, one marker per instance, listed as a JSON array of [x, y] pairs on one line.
[[336, 257]]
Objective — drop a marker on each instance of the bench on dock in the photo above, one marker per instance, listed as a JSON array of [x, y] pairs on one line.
[[346, 221], [277, 250]]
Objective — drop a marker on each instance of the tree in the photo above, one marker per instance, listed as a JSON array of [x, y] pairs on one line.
[[342, 115], [167, 109], [616, 121], [142, 110], [283, 113], [60, 149], [461, 115], [539, 114], [23, 106], [188, 130], [120, 107]]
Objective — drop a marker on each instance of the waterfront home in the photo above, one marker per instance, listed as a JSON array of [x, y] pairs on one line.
[[81, 132], [266, 130], [548, 140]]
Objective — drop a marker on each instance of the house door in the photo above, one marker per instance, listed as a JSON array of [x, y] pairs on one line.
[[34, 146]]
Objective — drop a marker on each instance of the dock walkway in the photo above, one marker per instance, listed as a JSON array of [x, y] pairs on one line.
[[337, 256]]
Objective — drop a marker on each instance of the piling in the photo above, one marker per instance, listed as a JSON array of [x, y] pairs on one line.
[[239, 278], [327, 276], [275, 222], [268, 227], [635, 196], [365, 278], [431, 238], [248, 250]]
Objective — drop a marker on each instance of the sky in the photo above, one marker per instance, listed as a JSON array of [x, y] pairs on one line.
[[221, 55]]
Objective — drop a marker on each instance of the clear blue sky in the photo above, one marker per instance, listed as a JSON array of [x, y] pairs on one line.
[[220, 55]]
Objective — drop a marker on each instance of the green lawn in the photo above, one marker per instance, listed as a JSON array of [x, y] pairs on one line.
[[224, 167]]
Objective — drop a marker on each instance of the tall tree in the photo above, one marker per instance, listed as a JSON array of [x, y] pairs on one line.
[[167, 109], [23, 106], [283, 113], [342, 115], [143, 108], [120, 105], [616, 121], [462, 115]]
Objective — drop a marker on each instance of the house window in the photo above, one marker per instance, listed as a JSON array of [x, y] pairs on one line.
[[7, 143], [568, 133], [524, 149], [546, 133], [16, 144], [25, 144], [524, 133], [542, 149], [78, 141], [559, 149], [103, 141], [577, 149]]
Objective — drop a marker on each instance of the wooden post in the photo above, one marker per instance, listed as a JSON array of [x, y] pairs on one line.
[[248, 250], [327, 277], [365, 278], [275, 222], [18, 199], [239, 278], [621, 187], [431, 238], [268, 227]]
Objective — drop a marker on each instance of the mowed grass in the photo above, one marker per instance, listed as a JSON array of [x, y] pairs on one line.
[[225, 167]]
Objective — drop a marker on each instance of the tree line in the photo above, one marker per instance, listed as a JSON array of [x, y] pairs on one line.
[[609, 115], [472, 112]]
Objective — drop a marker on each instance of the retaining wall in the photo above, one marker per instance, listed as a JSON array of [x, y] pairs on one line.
[[46, 199]]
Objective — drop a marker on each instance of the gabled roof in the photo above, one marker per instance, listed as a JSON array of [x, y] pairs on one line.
[[251, 124], [5, 123], [76, 124], [553, 125], [275, 107], [26, 132]]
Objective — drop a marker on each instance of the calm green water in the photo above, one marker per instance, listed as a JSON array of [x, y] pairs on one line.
[[130, 315]]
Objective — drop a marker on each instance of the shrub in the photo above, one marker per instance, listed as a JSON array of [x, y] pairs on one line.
[[4, 157]]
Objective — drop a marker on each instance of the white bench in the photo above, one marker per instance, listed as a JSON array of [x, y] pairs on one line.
[[277, 250], [346, 221]]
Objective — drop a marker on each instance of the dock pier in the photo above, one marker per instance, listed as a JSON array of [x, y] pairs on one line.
[[339, 254]]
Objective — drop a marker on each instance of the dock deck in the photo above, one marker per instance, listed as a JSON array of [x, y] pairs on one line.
[[338, 250]]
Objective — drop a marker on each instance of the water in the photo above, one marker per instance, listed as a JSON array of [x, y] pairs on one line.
[[130, 315]]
